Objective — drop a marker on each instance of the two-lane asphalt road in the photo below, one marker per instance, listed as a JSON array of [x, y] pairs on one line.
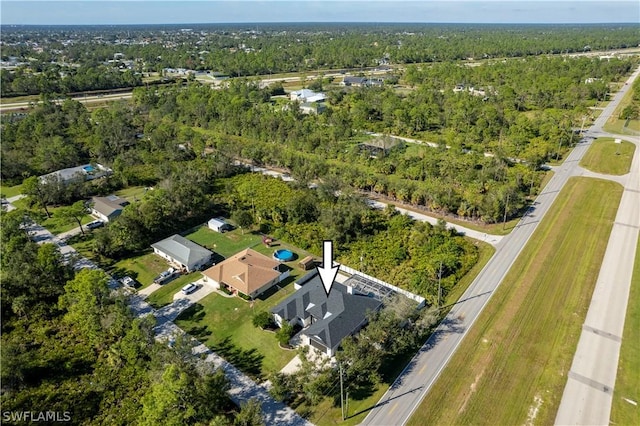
[[406, 393]]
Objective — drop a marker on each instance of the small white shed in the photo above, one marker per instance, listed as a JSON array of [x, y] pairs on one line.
[[218, 225]]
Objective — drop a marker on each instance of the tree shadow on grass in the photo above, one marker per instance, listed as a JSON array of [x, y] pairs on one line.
[[248, 361]]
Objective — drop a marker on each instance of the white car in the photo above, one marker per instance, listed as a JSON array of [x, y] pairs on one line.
[[189, 288], [95, 224], [128, 281]]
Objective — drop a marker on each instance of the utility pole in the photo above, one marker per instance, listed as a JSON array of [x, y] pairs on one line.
[[504, 220], [341, 392], [440, 285]]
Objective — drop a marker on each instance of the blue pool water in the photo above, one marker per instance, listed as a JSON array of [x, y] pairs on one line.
[[283, 255], [88, 168]]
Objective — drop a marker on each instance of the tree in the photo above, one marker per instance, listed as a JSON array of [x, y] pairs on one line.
[[243, 218], [284, 334], [171, 400], [76, 212], [250, 414], [263, 320], [85, 299], [33, 188]]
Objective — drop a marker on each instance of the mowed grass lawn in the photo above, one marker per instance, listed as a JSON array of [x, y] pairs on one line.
[[10, 191], [143, 268], [225, 325], [628, 378], [606, 156], [512, 366], [227, 243]]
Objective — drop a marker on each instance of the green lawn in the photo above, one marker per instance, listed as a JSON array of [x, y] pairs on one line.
[[516, 358], [10, 191], [227, 243], [132, 194], [144, 268], [55, 224], [628, 378], [606, 156], [164, 295], [225, 325]]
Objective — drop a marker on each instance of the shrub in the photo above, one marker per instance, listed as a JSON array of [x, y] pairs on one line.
[[263, 320], [284, 334]]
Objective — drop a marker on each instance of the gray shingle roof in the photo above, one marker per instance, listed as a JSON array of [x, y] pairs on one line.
[[109, 205], [182, 250], [335, 317]]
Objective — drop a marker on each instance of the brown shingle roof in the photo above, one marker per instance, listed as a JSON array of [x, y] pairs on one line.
[[246, 271]]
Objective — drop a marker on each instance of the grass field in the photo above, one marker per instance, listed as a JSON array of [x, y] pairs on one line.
[[512, 366], [143, 268], [132, 194], [606, 156], [327, 414], [225, 325], [628, 379], [226, 244], [55, 224], [10, 191]]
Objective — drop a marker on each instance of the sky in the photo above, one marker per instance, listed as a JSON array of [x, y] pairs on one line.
[[100, 12]]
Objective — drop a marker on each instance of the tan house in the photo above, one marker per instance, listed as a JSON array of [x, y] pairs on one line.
[[248, 272]]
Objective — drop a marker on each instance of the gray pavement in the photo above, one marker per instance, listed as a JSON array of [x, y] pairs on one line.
[[410, 388], [494, 240]]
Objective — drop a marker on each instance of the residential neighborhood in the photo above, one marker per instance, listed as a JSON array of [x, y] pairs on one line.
[[388, 216]]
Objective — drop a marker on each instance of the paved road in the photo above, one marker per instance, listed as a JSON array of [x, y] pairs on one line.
[[588, 394], [406, 393], [494, 240]]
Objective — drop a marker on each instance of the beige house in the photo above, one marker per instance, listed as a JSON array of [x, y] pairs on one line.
[[248, 272]]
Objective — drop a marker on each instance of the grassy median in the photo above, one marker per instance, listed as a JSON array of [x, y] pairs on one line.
[[606, 156], [512, 366], [626, 395]]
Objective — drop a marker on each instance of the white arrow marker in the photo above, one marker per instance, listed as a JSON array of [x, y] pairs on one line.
[[327, 272]]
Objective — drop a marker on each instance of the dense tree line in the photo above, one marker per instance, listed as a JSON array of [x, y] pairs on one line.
[[241, 51], [71, 345], [55, 79]]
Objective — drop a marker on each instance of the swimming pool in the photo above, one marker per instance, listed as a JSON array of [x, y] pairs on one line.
[[283, 255]]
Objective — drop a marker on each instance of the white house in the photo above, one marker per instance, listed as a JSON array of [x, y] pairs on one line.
[[307, 95], [182, 253], [108, 208]]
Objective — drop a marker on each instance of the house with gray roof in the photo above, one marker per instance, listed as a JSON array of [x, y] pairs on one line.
[[354, 81], [326, 320], [182, 253], [108, 208]]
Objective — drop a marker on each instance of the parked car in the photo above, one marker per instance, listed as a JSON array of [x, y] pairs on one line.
[[95, 224], [128, 281], [166, 276], [189, 288]]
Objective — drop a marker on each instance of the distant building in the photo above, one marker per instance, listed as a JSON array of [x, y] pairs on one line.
[[354, 81], [84, 173], [108, 208], [312, 107], [307, 96]]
